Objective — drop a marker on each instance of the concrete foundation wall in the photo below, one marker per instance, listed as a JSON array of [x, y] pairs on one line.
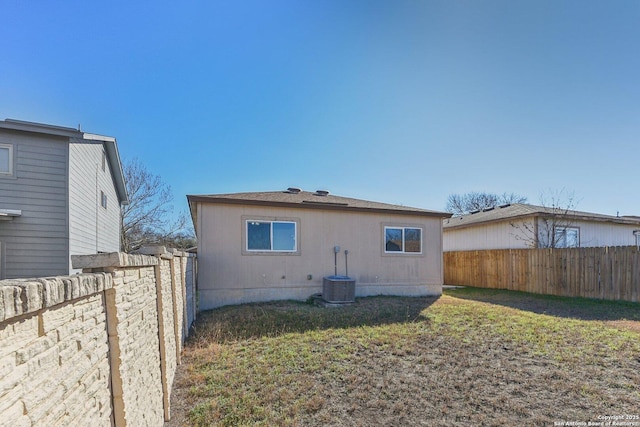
[[98, 348]]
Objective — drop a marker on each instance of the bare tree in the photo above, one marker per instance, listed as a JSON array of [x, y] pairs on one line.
[[149, 218], [554, 226], [461, 204], [511, 198]]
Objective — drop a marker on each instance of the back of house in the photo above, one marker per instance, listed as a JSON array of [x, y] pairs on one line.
[[280, 245]]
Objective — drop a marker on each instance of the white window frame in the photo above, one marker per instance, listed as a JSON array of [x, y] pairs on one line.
[[403, 228], [560, 232], [9, 147], [271, 222]]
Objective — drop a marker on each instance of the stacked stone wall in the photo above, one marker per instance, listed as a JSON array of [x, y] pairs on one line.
[[178, 298], [99, 348], [169, 347], [190, 266]]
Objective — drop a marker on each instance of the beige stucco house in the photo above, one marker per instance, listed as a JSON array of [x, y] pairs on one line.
[[279, 245], [520, 226]]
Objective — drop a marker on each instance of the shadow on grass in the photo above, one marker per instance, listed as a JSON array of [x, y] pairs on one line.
[[270, 319], [574, 308]]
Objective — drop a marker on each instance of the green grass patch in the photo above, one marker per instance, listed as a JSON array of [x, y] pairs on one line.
[[469, 357]]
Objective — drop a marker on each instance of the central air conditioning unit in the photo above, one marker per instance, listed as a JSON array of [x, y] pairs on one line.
[[338, 289]]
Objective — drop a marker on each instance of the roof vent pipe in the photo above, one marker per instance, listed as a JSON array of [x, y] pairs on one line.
[[322, 193], [293, 190]]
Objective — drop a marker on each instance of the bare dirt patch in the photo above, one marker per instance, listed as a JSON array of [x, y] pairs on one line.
[[461, 360]]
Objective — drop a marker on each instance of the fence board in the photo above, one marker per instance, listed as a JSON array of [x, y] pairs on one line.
[[611, 273]]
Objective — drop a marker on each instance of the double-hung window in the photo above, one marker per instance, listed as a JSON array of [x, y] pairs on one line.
[[566, 237], [6, 159], [271, 236], [406, 240]]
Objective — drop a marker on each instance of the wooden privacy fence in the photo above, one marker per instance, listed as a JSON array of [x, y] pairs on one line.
[[611, 273]]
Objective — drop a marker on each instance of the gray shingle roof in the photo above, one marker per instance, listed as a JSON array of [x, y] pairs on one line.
[[313, 200], [521, 210]]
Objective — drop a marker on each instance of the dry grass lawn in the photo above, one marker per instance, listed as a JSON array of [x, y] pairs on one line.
[[470, 357]]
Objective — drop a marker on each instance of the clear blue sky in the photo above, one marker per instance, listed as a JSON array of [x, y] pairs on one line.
[[395, 101]]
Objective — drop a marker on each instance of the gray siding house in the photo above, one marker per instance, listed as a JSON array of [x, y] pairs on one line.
[[60, 195]]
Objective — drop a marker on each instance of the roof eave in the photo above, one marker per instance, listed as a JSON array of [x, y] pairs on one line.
[[24, 126], [615, 220], [321, 206], [194, 215], [487, 221], [118, 174], [622, 221]]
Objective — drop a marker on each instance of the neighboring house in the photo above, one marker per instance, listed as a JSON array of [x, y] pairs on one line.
[[60, 195], [280, 245], [527, 226]]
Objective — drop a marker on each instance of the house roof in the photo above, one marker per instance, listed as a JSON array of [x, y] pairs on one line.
[[110, 145], [521, 210], [295, 198]]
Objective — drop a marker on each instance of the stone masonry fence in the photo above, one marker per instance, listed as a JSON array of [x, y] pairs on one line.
[[98, 348]]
